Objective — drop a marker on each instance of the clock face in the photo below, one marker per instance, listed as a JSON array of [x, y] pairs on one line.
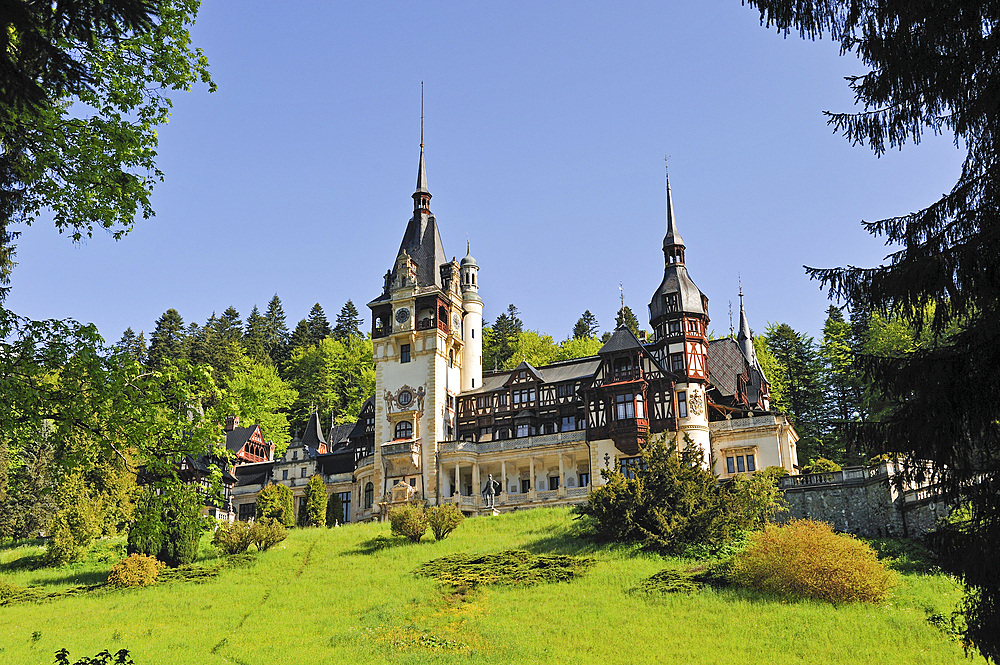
[[404, 398], [402, 315], [456, 321]]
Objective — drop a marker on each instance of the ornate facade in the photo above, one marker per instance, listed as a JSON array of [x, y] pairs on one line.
[[439, 430]]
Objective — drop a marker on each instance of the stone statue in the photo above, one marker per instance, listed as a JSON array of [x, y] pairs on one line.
[[420, 399], [490, 492]]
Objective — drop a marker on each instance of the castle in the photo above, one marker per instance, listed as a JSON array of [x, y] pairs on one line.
[[440, 430]]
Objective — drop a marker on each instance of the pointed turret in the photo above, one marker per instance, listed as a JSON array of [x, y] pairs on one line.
[[673, 238], [422, 241], [744, 338]]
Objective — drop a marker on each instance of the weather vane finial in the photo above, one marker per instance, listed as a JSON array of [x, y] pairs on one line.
[[421, 114], [621, 294]]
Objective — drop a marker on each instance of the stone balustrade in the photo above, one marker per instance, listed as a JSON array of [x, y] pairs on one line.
[[508, 445]]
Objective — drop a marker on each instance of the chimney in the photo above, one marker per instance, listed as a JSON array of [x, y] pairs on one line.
[[232, 422]]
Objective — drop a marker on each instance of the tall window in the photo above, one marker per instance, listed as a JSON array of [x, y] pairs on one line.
[[677, 362], [404, 353], [345, 502], [404, 430], [674, 327], [682, 404], [630, 465], [451, 358], [624, 406], [568, 424], [369, 495]]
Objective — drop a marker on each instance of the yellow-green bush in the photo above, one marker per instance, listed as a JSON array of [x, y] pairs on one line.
[[806, 559], [135, 570], [233, 537], [409, 521]]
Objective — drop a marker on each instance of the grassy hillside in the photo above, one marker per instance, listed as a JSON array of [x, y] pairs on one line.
[[324, 596]]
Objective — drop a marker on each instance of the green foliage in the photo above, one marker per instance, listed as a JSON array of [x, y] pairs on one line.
[[501, 341], [348, 322], [30, 503], [266, 533], [147, 532], [821, 465], [534, 348], [799, 371], [332, 376], [506, 568], [586, 327], [315, 503], [275, 502], [408, 521], [77, 523], [626, 319], [334, 510], [135, 570], [577, 347], [319, 327], [443, 519], [276, 332], [120, 657], [94, 168], [256, 394], [676, 501], [233, 537], [182, 526], [806, 559], [167, 343], [755, 499]]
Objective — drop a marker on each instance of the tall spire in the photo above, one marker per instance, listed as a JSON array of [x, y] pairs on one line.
[[744, 339], [421, 172], [672, 237]]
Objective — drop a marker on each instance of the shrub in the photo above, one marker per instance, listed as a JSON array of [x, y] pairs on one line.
[[135, 570], [77, 523], [314, 505], [334, 510], [755, 500], [409, 521], [806, 559], [267, 532], [233, 537], [275, 501], [444, 519], [182, 526], [120, 657], [8, 591], [147, 531], [672, 503], [821, 465]]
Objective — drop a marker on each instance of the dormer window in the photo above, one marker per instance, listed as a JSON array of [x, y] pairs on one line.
[[624, 369], [670, 302]]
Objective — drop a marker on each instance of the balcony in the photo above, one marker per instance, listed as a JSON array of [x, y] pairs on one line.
[[506, 445]]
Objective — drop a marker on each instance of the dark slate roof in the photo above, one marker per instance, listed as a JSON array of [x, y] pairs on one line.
[[621, 340], [725, 363], [422, 242], [340, 437], [358, 429], [313, 436], [564, 370], [253, 474], [238, 438], [677, 280]]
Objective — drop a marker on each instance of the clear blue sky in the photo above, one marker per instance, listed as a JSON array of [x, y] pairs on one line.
[[546, 128]]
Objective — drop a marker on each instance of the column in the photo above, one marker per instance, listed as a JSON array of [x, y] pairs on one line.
[[458, 482], [562, 477], [503, 481], [476, 486], [531, 482]]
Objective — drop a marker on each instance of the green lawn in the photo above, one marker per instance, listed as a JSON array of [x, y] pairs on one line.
[[319, 597]]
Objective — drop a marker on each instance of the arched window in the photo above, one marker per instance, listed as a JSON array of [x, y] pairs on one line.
[[404, 430], [451, 358], [369, 495]]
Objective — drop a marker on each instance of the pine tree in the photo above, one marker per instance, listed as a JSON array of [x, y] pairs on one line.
[[255, 335], [134, 345], [276, 332], [167, 343], [801, 374], [501, 340], [627, 318], [228, 327], [932, 67], [586, 326], [300, 336], [842, 382], [348, 322], [319, 327]]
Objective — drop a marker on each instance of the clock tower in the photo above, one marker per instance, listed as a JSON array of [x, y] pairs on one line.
[[427, 339]]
